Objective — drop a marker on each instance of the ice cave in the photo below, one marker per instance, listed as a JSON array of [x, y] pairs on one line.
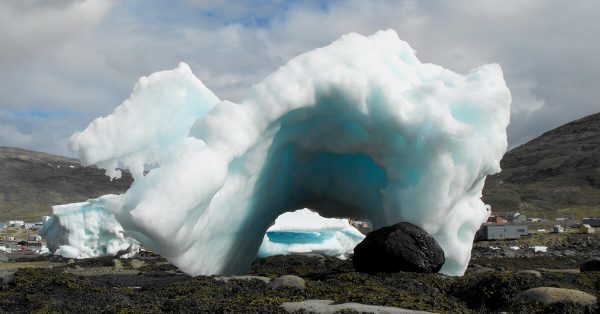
[[359, 128]]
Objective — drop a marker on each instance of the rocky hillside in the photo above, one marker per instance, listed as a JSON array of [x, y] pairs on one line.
[[556, 174], [31, 182]]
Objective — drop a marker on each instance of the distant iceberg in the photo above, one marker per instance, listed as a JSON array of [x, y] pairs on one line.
[[305, 231], [359, 128]]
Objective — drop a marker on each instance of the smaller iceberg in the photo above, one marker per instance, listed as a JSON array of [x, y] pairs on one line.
[[305, 231], [85, 230]]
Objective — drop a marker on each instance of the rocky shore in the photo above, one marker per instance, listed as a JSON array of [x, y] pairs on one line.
[[494, 283]]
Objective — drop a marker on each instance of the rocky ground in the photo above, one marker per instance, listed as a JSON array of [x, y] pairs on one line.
[[494, 282]]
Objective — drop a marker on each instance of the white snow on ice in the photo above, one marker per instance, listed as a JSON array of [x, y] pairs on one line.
[[304, 231], [359, 128], [540, 248]]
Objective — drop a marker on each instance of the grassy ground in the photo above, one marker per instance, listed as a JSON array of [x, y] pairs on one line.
[[19, 233]]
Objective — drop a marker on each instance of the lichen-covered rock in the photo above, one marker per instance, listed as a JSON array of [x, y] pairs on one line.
[[400, 247], [550, 295], [136, 263], [529, 272], [246, 277], [7, 276], [288, 281], [327, 306], [117, 265]]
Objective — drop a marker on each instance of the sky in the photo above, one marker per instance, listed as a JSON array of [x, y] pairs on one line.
[[65, 62]]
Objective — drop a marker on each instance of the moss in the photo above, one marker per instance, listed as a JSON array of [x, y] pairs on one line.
[[492, 290]]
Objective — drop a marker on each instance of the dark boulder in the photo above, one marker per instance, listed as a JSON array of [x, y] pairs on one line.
[[592, 264], [401, 247]]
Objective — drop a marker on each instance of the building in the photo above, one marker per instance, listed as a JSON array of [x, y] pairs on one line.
[[501, 232], [593, 222], [585, 228], [16, 223], [520, 219], [558, 229], [37, 226], [34, 237], [28, 225]]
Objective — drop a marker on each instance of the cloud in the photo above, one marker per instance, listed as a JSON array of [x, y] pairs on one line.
[[81, 57], [29, 28]]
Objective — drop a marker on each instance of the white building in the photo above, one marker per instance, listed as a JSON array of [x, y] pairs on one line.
[[29, 225], [16, 223]]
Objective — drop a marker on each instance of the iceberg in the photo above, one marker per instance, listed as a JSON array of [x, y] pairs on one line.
[[85, 230], [305, 231], [359, 128]]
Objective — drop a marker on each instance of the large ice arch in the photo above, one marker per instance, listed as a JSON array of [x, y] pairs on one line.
[[359, 128]]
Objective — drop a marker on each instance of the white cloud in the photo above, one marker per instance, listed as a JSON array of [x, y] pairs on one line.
[[29, 28]]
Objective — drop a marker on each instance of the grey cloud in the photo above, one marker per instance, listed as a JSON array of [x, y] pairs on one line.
[[87, 66]]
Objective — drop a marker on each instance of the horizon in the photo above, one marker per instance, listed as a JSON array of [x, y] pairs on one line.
[[68, 62]]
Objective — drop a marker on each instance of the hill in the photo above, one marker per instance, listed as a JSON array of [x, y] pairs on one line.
[[31, 182], [555, 175]]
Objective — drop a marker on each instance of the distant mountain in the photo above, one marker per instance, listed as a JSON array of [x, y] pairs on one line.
[[31, 182], [556, 174]]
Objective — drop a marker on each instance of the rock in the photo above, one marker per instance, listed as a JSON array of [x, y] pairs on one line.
[[117, 265], [136, 263], [7, 276], [401, 247], [593, 264], [326, 307], [550, 295], [529, 272], [227, 279], [288, 281]]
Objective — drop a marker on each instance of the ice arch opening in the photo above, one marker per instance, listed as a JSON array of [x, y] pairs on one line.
[[304, 231], [358, 128]]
